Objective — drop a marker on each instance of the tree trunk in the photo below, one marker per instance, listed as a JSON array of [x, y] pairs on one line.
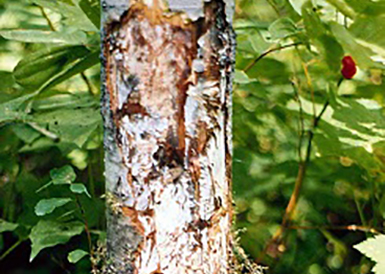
[[167, 76]]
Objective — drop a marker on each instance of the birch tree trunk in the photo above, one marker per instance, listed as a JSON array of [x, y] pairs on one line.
[[167, 74]]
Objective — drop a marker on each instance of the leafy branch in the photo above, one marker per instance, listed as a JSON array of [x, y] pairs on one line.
[[82, 74]]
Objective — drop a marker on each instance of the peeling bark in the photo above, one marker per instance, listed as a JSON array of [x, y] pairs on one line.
[[167, 72]]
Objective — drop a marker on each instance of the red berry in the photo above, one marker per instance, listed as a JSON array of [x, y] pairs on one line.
[[349, 68]]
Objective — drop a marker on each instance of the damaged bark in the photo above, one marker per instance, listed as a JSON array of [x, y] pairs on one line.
[[167, 70]]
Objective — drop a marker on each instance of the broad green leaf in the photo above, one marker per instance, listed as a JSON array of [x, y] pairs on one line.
[[241, 77], [359, 53], [68, 101], [343, 7], [25, 133], [6, 226], [269, 69], [70, 125], [50, 233], [282, 28], [242, 24], [47, 206], [37, 68], [297, 5], [40, 36], [16, 109], [74, 16], [332, 52], [251, 42], [359, 117], [77, 67], [79, 189], [374, 249], [313, 24], [64, 175], [69, 2], [7, 80], [370, 29], [76, 255], [373, 8], [92, 9], [44, 143]]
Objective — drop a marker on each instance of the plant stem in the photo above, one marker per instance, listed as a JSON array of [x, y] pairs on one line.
[[45, 15], [87, 230], [303, 165], [6, 253], [88, 83], [302, 170], [91, 178], [43, 131], [349, 228], [256, 60]]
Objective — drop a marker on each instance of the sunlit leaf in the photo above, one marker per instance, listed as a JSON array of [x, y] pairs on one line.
[[47, 206], [370, 29], [73, 14], [77, 67], [16, 109], [375, 249], [360, 53], [79, 189], [6, 226], [76, 255], [39, 36], [64, 175], [92, 9], [282, 28], [71, 125], [39, 67]]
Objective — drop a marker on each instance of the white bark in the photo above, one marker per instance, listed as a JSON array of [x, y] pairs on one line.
[[167, 111]]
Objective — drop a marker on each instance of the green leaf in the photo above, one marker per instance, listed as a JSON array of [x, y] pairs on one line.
[[65, 101], [282, 28], [25, 133], [74, 16], [375, 249], [64, 175], [241, 77], [92, 9], [370, 29], [16, 109], [79, 189], [71, 125], [39, 36], [76, 255], [297, 5], [79, 66], [6, 226], [343, 7], [332, 52], [50, 233], [251, 42], [359, 53], [313, 24], [29, 72], [47, 206]]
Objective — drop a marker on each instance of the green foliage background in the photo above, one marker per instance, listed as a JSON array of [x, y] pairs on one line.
[[288, 67]]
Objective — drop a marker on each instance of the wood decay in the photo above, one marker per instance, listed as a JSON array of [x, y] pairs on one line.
[[167, 114]]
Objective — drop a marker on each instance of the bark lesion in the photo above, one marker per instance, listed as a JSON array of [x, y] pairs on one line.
[[167, 87]]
